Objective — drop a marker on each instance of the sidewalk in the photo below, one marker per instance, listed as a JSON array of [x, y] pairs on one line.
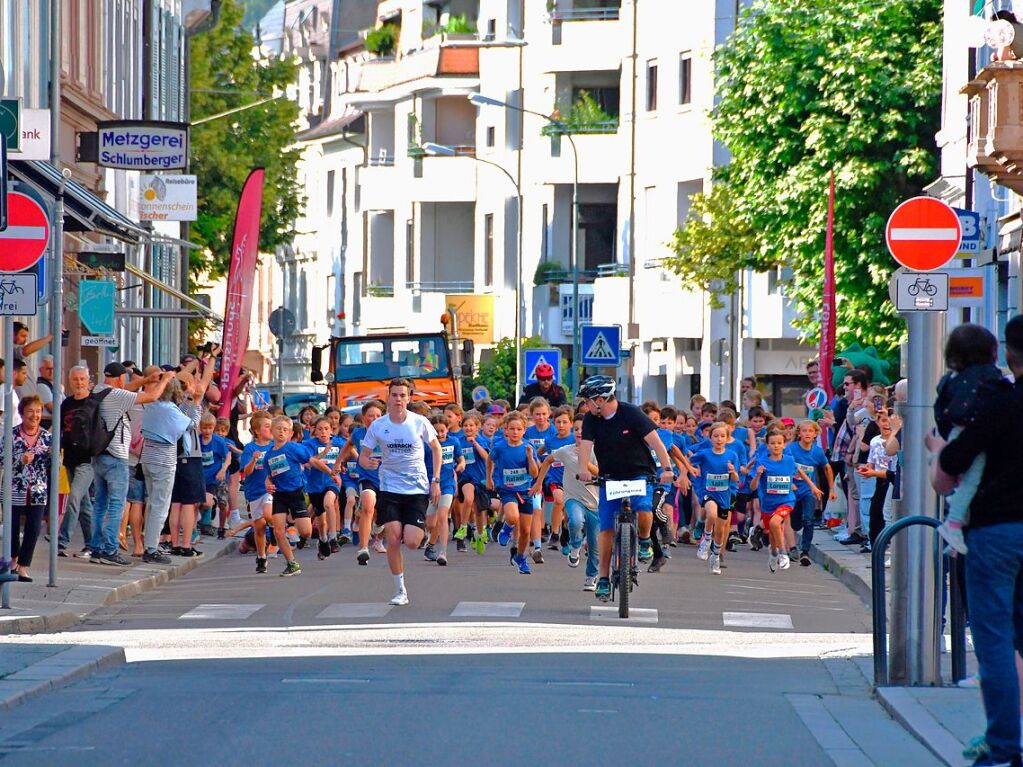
[[945, 719]]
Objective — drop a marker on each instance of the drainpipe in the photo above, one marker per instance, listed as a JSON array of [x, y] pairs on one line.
[[632, 202]]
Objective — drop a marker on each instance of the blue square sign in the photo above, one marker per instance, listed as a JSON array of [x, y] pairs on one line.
[[534, 357], [601, 345]]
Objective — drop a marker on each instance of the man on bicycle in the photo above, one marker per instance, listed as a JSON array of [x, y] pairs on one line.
[[623, 437]]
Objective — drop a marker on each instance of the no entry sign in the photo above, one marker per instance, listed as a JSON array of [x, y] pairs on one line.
[[923, 234], [24, 240]]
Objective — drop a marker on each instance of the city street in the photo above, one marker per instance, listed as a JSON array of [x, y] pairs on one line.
[[219, 656]]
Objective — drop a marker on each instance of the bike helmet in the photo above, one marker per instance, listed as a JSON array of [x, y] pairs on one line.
[[543, 370], [597, 386]]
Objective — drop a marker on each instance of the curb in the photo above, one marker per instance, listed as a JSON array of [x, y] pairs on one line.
[[916, 720], [58, 621], [62, 669], [847, 576]]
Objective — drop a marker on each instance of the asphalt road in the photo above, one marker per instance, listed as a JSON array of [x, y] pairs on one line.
[[485, 666]]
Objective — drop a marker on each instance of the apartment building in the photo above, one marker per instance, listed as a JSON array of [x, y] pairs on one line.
[[419, 189]]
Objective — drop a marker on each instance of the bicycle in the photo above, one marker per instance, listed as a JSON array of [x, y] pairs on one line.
[[924, 284], [626, 537]]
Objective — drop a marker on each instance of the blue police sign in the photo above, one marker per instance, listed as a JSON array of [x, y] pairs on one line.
[[601, 345], [534, 357]]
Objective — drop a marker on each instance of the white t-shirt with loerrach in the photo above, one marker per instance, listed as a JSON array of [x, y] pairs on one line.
[[402, 446]]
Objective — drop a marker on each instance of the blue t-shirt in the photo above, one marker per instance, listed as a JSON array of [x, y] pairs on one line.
[[371, 474], [285, 466], [809, 461], [538, 439], [214, 453], [775, 484], [511, 467], [556, 474], [715, 479], [450, 449], [741, 450], [254, 485], [475, 465], [317, 481]]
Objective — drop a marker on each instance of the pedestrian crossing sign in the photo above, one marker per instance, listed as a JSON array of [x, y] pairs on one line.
[[532, 358], [601, 345]]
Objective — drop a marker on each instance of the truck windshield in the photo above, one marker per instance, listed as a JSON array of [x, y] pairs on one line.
[[381, 359]]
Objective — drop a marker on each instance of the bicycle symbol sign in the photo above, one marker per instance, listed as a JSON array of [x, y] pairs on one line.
[[921, 292], [18, 294]]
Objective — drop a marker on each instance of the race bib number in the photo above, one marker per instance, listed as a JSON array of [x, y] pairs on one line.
[[447, 454], [331, 455], [513, 477], [557, 465], [538, 445], [717, 482], [469, 454], [278, 464], [613, 489], [808, 470], [353, 468], [780, 485], [207, 458], [260, 461]]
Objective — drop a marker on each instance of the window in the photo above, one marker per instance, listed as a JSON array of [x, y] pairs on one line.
[[488, 250], [651, 85], [330, 193], [491, 135], [685, 78]]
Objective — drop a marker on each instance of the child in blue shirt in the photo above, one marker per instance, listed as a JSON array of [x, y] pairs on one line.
[[216, 460], [553, 483], [451, 461], [324, 487], [809, 457], [719, 475], [472, 480], [537, 435], [253, 472], [514, 462]]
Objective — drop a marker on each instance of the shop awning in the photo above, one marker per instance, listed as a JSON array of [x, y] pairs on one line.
[[185, 300]]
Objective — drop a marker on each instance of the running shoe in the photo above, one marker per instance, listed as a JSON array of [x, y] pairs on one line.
[[400, 598], [589, 583], [292, 568], [603, 589], [220, 533], [484, 535], [804, 560], [772, 563], [554, 542], [573, 557], [504, 535], [378, 546], [495, 532], [685, 536], [345, 537], [783, 561], [657, 564], [324, 550], [566, 550], [460, 545], [478, 544], [522, 564], [260, 564], [335, 547], [756, 539], [460, 533], [538, 556], [442, 558], [715, 564], [156, 558], [953, 536], [703, 551], [430, 552], [646, 551], [698, 530], [363, 556]]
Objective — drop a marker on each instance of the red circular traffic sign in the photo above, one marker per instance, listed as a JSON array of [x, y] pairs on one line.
[[24, 240], [923, 234]]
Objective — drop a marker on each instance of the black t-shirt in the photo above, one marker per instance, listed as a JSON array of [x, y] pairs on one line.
[[68, 406], [618, 442]]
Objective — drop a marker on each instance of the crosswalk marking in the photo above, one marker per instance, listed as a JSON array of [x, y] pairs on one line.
[[757, 620], [356, 610], [636, 614], [221, 612], [488, 610]]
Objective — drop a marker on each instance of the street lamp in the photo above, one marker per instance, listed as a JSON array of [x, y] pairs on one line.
[[440, 150], [480, 100]]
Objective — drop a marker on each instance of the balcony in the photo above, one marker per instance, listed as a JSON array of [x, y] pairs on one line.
[[443, 179], [996, 123], [377, 184], [586, 35], [442, 57]]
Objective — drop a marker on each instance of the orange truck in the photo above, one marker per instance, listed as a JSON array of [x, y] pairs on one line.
[[360, 367]]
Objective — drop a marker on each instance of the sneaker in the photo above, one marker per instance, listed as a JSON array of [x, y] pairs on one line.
[[324, 550], [504, 535], [335, 547], [62, 552], [430, 553], [953, 536], [590, 583], [976, 748], [573, 557], [363, 556], [772, 563], [260, 564], [234, 519], [522, 564], [155, 558], [698, 530], [804, 560], [207, 530], [566, 550], [345, 537], [989, 761], [84, 554], [603, 589], [865, 548], [554, 542], [442, 558], [756, 539], [400, 598], [783, 561], [793, 553], [165, 546], [703, 552], [715, 564], [292, 568], [460, 546], [646, 551], [851, 539], [538, 556], [195, 552], [476, 544], [657, 564], [685, 536], [220, 533], [378, 546], [460, 534], [117, 559]]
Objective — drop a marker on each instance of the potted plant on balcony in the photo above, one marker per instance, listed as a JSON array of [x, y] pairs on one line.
[[586, 115], [455, 28], [383, 40], [549, 272]]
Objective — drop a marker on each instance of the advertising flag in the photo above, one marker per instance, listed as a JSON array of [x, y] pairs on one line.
[[827, 348]]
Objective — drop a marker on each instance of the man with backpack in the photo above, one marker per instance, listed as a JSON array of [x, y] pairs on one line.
[[96, 431]]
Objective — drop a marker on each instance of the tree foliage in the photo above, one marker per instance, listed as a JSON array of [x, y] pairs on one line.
[[226, 149], [497, 373], [808, 87]]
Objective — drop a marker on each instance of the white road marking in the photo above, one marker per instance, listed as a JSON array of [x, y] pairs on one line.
[[596, 711], [313, 680], [914, 233], [356, 610], [757, 620], [488, 610], [221, 612], [591, 684], [636, 614]]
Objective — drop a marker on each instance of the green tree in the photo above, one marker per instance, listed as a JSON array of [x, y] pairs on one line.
[[808, 87], [226, 149], [497, 373]]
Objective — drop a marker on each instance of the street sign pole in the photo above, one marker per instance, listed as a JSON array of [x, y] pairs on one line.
[[8, 330]]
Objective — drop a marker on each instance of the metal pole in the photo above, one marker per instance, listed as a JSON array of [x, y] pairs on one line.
[[57, 292], [280, 370], [915, 625], [576, 355], [518, 300], [5, 589]]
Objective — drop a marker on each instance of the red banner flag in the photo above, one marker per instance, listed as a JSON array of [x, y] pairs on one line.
[[827, 347], [240, 279]]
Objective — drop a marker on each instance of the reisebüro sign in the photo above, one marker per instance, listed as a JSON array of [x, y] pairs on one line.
[[142, 145]]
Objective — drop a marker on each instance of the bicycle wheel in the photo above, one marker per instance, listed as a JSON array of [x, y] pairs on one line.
[[624, 574]]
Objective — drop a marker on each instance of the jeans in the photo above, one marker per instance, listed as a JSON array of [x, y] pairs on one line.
[[111, 479], [159, 484], [79, 505], [803, 519], [865, 492], [994, 588], [578, 518]]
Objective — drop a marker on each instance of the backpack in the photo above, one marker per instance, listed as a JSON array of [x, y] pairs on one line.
[[84, 432]]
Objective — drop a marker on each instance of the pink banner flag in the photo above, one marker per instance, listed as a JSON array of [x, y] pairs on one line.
[[827, 347], [240, 279]]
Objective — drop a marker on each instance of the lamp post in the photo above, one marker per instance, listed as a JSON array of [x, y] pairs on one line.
[[480, 100], [439, 150]]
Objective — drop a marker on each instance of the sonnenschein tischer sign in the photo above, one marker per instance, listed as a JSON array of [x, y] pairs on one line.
[[144, 145]]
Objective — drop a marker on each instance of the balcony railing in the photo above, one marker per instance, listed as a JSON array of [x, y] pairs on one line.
[[578, 128], [380, 291], [609, 13], [451, 286]]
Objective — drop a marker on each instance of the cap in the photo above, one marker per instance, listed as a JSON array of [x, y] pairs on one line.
[[167, 368], [495, 410], [705, 424], [788, 422], [114, 370]]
